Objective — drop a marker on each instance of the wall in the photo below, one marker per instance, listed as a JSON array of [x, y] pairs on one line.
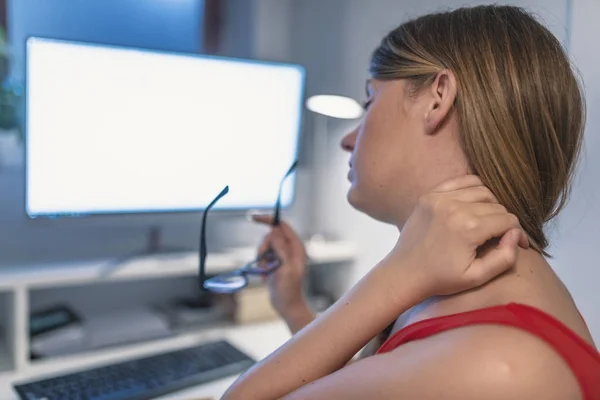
[[156, 24], [237, 38], [576, 235]]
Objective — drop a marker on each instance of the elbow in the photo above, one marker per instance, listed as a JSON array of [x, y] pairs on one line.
[[234, 393], [231, 395]]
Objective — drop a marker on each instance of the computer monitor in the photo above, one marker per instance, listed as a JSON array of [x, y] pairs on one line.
[[114, 130]]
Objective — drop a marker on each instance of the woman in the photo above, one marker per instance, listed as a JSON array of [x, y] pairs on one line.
[[476, 310]]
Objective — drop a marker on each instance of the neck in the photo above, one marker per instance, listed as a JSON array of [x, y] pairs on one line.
[[512, 285]]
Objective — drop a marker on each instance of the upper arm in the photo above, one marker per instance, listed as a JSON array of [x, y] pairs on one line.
[[477, 362]]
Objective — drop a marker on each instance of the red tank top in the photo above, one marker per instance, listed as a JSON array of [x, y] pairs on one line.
[[582, 358]]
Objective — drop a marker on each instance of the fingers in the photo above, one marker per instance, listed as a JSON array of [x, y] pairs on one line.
[[483, 203], [452, 202], [523, 239], [264, 245], [296, 244], [262, 219], [475, 194], [496, 261], [266, 219], [279, 245], [481, 229], [481, 209], [277, 242], [462, 182]]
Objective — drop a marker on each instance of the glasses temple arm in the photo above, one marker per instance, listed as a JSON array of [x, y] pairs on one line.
[[203, 252], [276, 215]]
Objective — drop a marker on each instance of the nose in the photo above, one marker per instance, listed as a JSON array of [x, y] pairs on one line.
[[349, 141]]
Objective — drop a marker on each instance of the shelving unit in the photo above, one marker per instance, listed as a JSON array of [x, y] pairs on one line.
[[17, 284]]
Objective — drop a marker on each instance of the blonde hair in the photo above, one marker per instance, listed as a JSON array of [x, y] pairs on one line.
[[520, 107]]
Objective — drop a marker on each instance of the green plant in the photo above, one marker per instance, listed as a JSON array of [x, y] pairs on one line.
[[9, 103], [10, 94]]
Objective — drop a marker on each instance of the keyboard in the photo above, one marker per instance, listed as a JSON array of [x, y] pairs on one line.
[[142, 378]]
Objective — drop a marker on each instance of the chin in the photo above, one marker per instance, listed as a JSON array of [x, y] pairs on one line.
[[353, 196], [350, 197]]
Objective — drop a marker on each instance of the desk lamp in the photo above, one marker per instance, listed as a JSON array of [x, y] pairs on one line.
[[325, 106]]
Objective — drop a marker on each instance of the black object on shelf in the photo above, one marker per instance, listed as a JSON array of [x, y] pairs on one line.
[[51, 319]]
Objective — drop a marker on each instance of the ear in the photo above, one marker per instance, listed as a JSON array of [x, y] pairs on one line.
[[442, 95]]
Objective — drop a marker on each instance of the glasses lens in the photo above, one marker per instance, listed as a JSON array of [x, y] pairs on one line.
[[226, 283]]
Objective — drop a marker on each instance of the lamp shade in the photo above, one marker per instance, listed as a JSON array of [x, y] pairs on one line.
[[335, 106]]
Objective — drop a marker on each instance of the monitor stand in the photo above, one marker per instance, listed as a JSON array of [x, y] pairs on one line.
[[154, 247], [154, 244]]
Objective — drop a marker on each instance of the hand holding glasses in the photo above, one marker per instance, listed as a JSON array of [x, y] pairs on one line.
[[265, 264]]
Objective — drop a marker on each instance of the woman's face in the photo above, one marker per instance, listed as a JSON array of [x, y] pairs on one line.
[[396, 155]]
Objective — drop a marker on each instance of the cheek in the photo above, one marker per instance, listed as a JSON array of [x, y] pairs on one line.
[[365, 151], [372, 160], [379, 147]]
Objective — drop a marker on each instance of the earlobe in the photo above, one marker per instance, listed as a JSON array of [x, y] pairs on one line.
[[431, 126]]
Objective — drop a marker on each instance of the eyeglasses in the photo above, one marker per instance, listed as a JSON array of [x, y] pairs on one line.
[[265, 264]]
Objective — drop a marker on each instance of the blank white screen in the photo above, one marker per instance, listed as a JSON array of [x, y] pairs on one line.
[[123, 130]]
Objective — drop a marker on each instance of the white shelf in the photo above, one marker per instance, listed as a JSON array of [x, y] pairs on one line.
[[153, 267]]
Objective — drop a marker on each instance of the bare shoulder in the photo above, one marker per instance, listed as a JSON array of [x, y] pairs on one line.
[[504, 358]]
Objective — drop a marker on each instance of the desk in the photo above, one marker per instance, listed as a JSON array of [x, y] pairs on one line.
[[257, 340]]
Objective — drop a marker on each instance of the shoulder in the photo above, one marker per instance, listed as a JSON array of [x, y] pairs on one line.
[[504, 358], [471, 363]]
